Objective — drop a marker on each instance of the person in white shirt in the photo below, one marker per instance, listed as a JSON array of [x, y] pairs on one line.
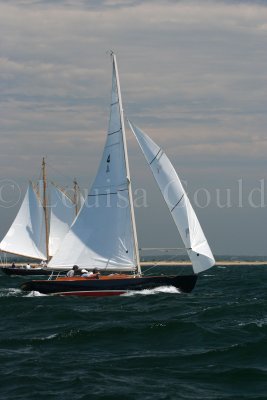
[[43, 264], [86, 273], [73, 271]]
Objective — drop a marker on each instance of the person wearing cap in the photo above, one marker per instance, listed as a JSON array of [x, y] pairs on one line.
[[73, 271]]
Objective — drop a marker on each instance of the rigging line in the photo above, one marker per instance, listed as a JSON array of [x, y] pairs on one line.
[[58, 172], [155, 156], [115, 102], [62, 190], [3, 258], [177, 203], [36, 175], [162, 248], [156, 264]]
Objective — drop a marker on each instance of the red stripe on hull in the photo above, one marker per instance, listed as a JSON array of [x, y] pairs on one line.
[[92, 293]]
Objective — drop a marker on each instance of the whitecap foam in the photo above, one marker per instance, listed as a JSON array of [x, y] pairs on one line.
[[49, 337], [148, 292], [10, 292], [260, 323], [35, 294]]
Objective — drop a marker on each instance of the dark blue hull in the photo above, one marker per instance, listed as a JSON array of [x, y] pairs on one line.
[[184, 283], [25, 272]]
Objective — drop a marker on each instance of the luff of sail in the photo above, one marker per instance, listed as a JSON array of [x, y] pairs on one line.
[[102, 236], [62, 214], [26, 236], [178, 203]]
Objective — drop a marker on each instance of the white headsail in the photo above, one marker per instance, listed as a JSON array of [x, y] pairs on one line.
[[179, 205], [102, 236], [26, 236], [62, 214], [43, 220]]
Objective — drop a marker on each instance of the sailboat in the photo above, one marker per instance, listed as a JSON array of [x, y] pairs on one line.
[[104, 237], [43, 220]]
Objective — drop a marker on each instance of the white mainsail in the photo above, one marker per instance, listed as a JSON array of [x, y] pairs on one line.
[[179, 205], [103, 235], [26, 236], [62, 214]]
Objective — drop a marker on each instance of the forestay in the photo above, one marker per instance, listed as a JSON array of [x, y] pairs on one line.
[[178, 203], [26, 236], [102, 235]]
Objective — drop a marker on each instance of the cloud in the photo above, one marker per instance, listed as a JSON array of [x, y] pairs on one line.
[[193, 76]]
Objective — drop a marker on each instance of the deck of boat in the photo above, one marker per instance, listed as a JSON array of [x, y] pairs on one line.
[[175, 263]]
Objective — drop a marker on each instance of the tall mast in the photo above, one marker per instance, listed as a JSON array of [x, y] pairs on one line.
[[45, 208], [75, 188], [127, 166]]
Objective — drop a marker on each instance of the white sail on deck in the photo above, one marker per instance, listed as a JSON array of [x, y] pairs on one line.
[[178, 203], [26, 236], [62, 214], [102, 236]]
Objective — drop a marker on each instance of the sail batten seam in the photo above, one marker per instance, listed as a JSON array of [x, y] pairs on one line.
[[112, 133], [156, 156], [107, 194], [177, 203]]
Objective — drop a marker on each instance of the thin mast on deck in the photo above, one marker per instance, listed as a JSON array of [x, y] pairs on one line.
[[45, 208], [127, 166]]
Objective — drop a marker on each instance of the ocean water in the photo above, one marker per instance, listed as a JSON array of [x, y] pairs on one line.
[[158, 344]]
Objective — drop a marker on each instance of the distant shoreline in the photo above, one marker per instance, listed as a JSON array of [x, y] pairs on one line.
[[188, 263], [170, 263]]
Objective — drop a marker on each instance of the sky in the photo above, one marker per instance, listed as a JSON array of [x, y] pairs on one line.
[[193, 77]]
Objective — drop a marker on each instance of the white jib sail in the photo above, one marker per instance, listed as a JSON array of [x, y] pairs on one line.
[[179, 205], [26, 236], [62, 214], [102, 234]]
